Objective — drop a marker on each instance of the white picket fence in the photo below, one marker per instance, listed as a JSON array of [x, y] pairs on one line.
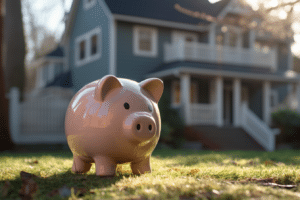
[[40, 119]]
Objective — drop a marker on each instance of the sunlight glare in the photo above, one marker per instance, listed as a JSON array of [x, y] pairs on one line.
[[270, 4], [297, 7], [296, 45], [296, 26], [297, 38], [213, 1], [253, 3], [282, 14]]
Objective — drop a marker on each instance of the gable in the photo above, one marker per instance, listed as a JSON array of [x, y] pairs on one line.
[[167, 10]]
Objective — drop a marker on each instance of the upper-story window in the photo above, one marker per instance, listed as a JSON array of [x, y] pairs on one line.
[[88, 47], [145, 41], [89, 4], [229, 36], [262, 47]]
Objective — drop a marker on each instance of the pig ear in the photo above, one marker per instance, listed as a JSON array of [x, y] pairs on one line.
[[105, 86], [154, 87]]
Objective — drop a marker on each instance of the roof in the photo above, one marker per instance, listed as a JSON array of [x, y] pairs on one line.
[[215, 69], [168, 10], [58, 52], [164, 10], [214, 66]]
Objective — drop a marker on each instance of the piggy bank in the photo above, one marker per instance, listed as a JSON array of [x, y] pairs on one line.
[[113, 121]]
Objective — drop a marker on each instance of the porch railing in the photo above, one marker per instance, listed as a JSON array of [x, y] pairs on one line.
[[203, 114], [257, 129], [192, 51]]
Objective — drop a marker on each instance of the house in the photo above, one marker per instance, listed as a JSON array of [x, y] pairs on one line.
[[49, 68], [221, 78]]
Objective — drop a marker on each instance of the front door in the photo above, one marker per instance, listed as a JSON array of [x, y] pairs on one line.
[[227, 106]]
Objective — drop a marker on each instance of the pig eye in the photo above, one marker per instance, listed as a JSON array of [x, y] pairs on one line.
[[126, 105], [150, 107]]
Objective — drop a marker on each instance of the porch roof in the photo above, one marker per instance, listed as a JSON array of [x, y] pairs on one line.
[[225, 70]]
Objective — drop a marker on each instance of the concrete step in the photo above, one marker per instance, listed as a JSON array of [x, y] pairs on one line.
[[222, 138]]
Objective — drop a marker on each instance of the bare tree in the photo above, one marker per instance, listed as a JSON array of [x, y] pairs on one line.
[[14, 46], [267, 16]]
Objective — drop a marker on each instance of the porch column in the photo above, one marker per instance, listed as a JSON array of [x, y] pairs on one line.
[[267, 102], [185, 88], [219, 100], [236, 101], [296, 95]]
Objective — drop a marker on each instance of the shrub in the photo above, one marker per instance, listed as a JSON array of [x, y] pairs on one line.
[[172, 125], [289, 123]]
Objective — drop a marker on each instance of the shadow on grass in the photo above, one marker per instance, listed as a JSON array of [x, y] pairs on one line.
[[48, 185], [191, 157]]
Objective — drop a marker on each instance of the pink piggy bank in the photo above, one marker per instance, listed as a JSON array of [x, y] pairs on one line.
[[112, 121]]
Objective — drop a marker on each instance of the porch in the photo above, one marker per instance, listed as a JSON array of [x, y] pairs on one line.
[[229, 105], [182, 50]]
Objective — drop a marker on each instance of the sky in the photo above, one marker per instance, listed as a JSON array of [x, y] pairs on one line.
[[53, 19]]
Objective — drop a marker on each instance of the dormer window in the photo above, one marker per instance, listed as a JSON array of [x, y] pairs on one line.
[[88, 47], [89, 4], [229, 36], [262, 47], [145, 41]]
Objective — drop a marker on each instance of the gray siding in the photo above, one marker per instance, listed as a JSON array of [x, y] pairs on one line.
[[132, 66], [283, 54], [86, 21]]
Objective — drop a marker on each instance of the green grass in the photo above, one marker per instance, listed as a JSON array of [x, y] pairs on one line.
[[176, 174]]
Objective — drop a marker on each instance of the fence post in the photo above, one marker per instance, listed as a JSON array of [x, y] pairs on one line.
[[14, 113]]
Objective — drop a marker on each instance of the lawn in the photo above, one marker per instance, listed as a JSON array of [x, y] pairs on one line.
[[176, 174]]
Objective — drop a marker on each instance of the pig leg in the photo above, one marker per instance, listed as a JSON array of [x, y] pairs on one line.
[[80, 166], [105, 166], [141, 167]]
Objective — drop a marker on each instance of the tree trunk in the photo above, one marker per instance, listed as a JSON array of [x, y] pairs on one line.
[[14, 46], [5, 140]]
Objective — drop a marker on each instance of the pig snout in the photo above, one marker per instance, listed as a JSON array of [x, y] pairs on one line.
[[141, 125]]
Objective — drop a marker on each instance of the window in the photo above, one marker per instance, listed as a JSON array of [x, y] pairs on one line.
[[88, 47], [94, 44], [176, 93], [89, 4], [262, 47], [229, 36], [145, 41], [274, 98], [82, 50]]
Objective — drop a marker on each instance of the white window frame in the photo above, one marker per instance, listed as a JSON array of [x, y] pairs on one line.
[[50, 72], [87, 5], [177, 83], [236, 30], [154, 41], [88, 56], [274, 97], [173, 86]]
